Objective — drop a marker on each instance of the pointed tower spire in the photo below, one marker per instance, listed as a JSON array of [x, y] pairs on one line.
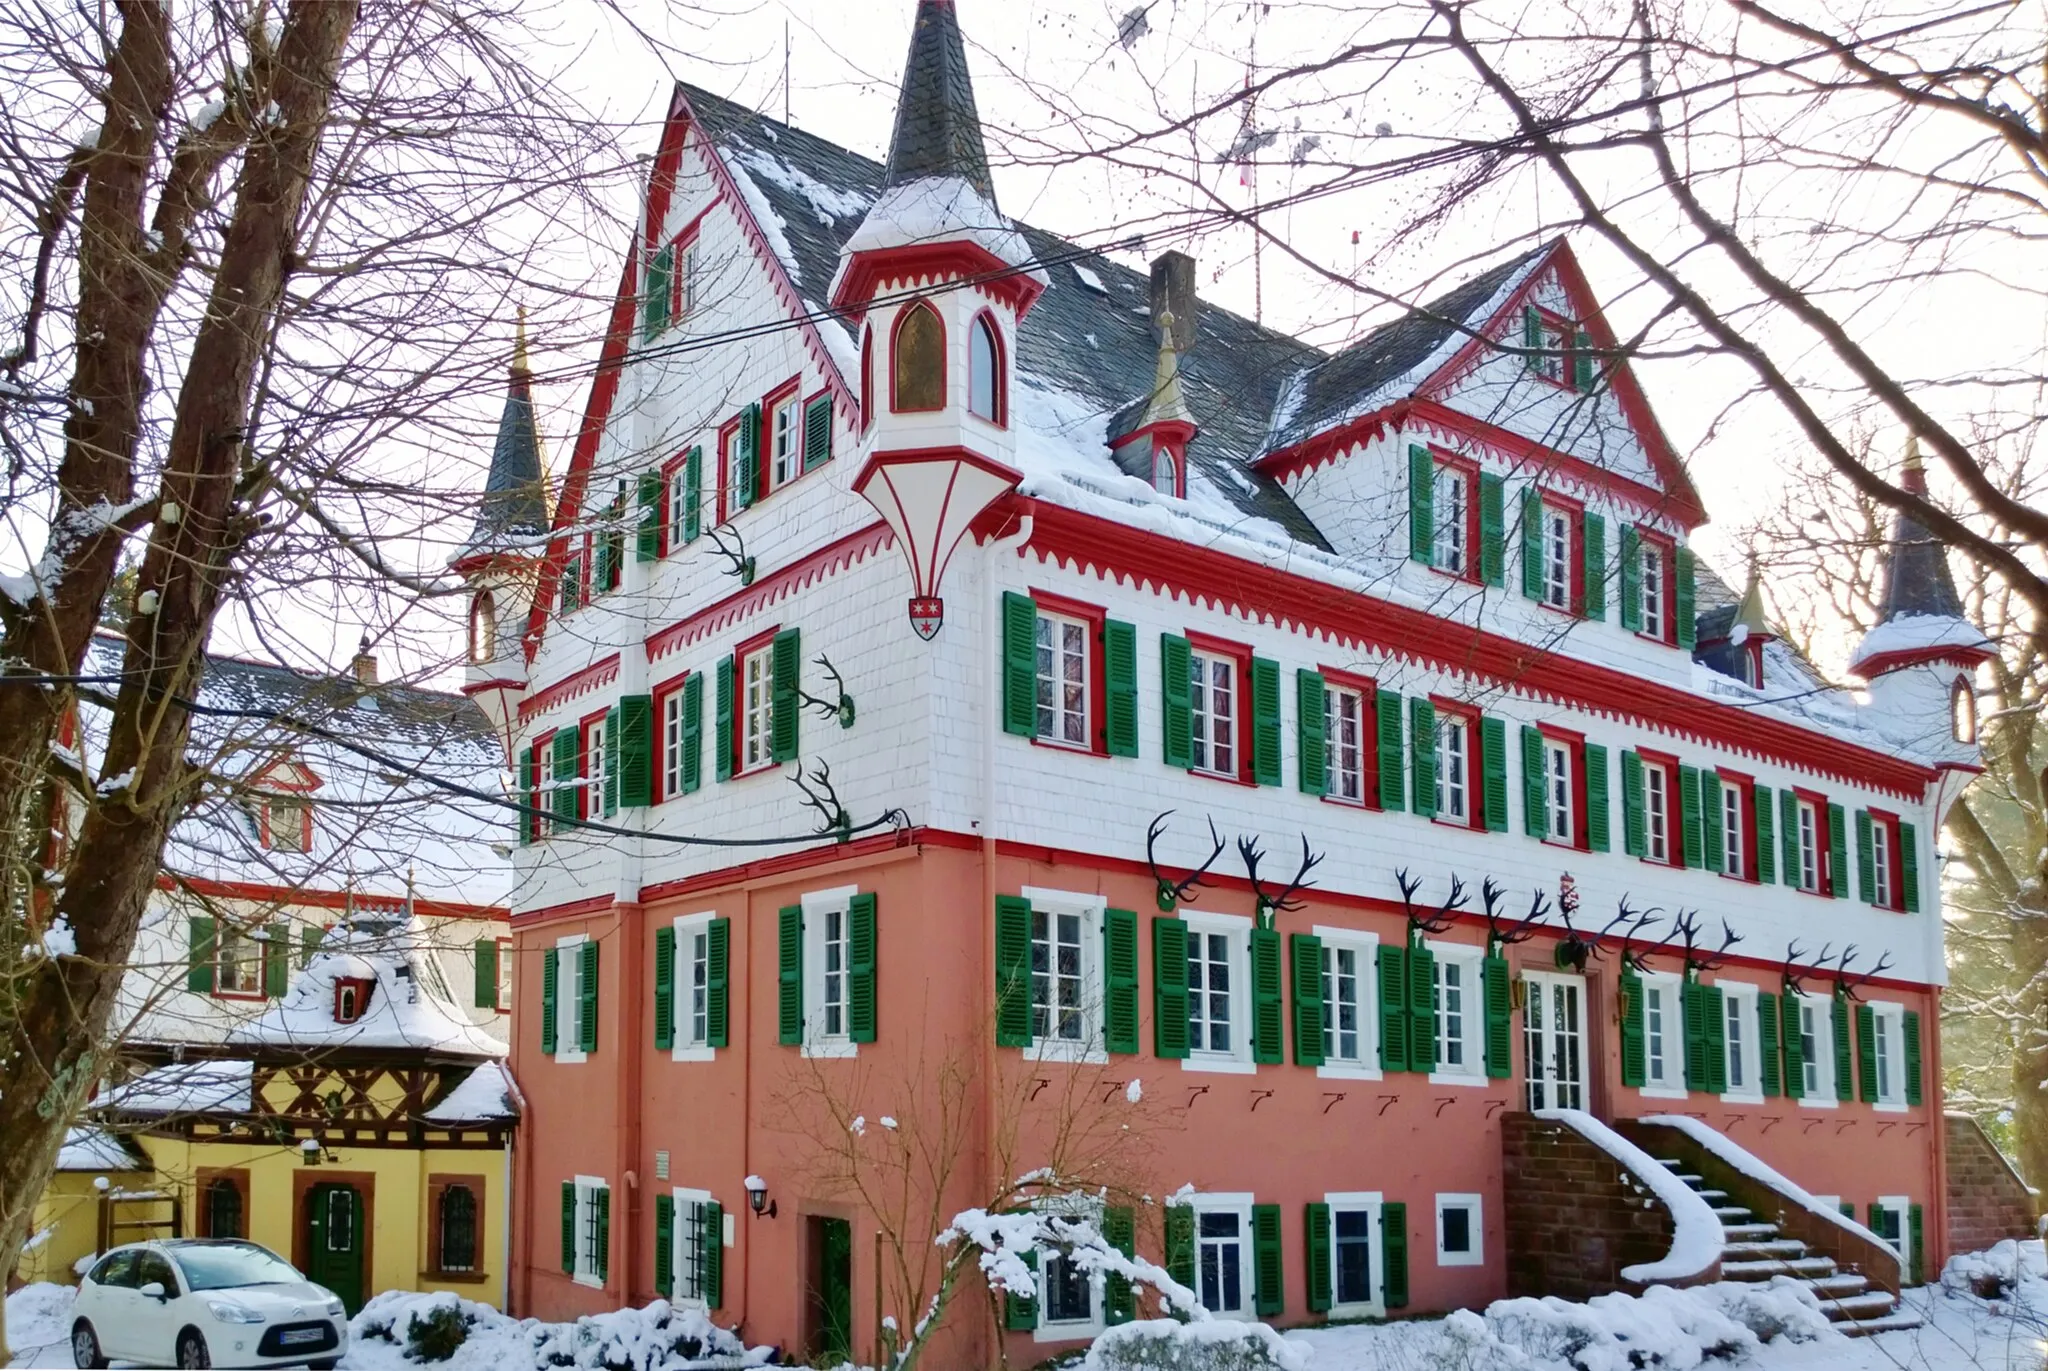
[[514, 502], [1917, 578], [1166, 402], [1749, 613], [938, 129]]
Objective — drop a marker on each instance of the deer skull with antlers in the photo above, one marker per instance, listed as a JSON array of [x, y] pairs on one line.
[[1269, 903], [1170, 894]]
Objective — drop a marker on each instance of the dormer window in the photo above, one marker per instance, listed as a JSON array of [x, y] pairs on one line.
[[483, 628], [985, 371], [1557, 349], [1166, 471], [351, 998], [1962, 710], [287, 823], [919, 369]]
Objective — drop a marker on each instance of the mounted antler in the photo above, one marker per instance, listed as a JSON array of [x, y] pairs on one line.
[[1172, 893], [1490, 895], [1846, 985], [1636, 925], [742, 564], [1437, 922], [841, 708], [1269, 905], [1687, 927], [824, 799]]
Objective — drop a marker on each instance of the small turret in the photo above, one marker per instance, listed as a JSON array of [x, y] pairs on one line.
[[1155, 447], [1731, 639]]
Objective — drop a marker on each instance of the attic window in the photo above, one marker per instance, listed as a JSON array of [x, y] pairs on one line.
[[351, 998], [1557, 349], [286, 822], [1166, 471]]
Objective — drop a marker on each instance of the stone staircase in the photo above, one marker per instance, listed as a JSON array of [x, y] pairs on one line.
[[1757, 1250]]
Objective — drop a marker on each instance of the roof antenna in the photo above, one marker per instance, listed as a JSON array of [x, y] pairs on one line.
[[785, 71]]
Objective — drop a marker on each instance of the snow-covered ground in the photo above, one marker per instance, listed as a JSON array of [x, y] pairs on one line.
[[1730, 1325]]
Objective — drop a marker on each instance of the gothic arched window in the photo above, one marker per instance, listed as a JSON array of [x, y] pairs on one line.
[[920, 361], [1962, 708], [985, 371], [483, 627], [1165, 471], [867, 378]]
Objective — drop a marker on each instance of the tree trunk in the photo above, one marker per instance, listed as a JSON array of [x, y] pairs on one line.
[[2030, 1042]]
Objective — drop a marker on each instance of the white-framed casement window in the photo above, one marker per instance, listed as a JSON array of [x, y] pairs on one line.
[[1066, 976], [680, 489], [594, 767], [1070, 1304], [1344, 743], [592, 1214], [1739, 1037], [757, 707], [1165, 471], [1888, 1048], [569, 998], [693, 992], [1459, 1232], [1213, 706], [1223, 1253], [1558, 551], [1351, 1045], [1663, 1036], [1816, 1029], [672, 743], [695, 1212], [1063, 688], [785, 440], [827, 926], [1560, 819], [683, 290], [1453, 767], [1219, 995], [1883, 848], [1460, 1015], [1734, 859], [238, 961], [1660, 813], [1357, 1247], [1451, 503], [1891, 1218], [1652, 584], [1807, 838]]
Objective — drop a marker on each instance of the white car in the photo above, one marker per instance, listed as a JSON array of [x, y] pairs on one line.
[[205, 1302]]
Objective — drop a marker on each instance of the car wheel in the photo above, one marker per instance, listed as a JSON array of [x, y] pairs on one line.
[[327, 1365], [85, 1347], [192, 1353]]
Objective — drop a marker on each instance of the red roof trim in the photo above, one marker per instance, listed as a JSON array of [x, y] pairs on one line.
[[867, 272], [328, 899], [570, 687], [833, 557], [1964, 657]]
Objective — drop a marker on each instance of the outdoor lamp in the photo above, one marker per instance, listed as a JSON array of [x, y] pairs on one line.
[[757, 1197]]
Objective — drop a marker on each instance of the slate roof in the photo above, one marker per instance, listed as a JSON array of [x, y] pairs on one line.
[[1917, 579], [938, 129], [514, 507]]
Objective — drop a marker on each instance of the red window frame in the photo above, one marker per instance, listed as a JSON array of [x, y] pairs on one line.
[[1576, 560], [1567, 355], [364, 988], [1002, 388], [790, 391], [587, 804], [764, 640], [1895, 862], [1475, 772], [678, 245], [945, 360], [728, 433], [1674, 809], [305, 820], [1098, 678], [1212, 646], [1823, 844], [1367, 690], [543, 779], [661, 695], [1468, 468], [1666, 548], [504, 960], [1745, 787], [1575, 749]]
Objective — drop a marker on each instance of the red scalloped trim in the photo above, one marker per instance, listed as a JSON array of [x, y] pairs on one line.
[[570, 687], [834, 557]]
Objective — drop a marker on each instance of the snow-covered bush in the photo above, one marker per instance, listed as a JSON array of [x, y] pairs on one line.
[[400, 1328], [1785, 1308], [433, 1334], [1672, 1330], [1204, 1345]]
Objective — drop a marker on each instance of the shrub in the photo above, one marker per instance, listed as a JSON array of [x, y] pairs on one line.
[[433, 1334], [1207, 1345]]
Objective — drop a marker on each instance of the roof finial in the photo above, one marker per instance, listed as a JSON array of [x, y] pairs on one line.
[[1750, 612], [1166, 403], [520, 365], [938, 130]]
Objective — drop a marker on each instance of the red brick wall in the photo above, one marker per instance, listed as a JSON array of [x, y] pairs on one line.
[[1986, 1201]]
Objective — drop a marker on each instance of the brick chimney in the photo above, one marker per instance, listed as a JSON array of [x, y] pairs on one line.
[[1173, 288], [365, 664]]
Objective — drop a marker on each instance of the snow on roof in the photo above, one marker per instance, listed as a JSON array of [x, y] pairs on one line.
[[91, 1148], [932, 210], [196, 1087], [1918, 633], [1697, 1237], [409, 1007], [486, 1094]]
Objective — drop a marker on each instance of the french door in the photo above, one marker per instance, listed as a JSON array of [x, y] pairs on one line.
[[1554, 1036]]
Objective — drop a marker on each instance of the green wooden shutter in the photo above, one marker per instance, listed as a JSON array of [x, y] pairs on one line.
[[1582, 363], [1866, 1053], [1845, 1072], [1120, 980], [602, 1198], [1689, 816], [1120, 1231], [1683, 597], [1631, 579], [567, 742], [1421, 504], [1013, 971], [1767, 1043], [1175, 699], [1422, 747], [1635, 1062], [1267, 1295], [1909, 868], [1838, 852], [605, 575], [1422, 1045], [1916, 1246], [1909, 1029], [610, 799], [1020, 1311], [1169, 986], [1788, 836], [721, 762], [693, 494], [310, 937], [1311, 745], [1597, 835], [1714, 847], [1020, 664], [569, 1227], [647, 532], [1532, 338], [1532, 544], [1535, 809], [586, 992], [818, 432], [1394, 1241], [1269, 1011], [1391, 963], [787, 667], [1594, 545], [1633, 840], [664, 988], [199, 944], [654, 297], [635, 770], [861, 1000], [717, 980], [711, 1253], [486, 996], [1315, 1220], [664, 1245], [1795, 1046], [1866, 863], [1693, 1011], [1393, 792], [550, 990], [1492, 529], [1265, 721], [1763, 845], [1496, 991], [277, 960], [1306, 950], [529, 787], [1715, 1006], [789, 976], [1493, 772], [1180, 1243], [572, 584], [693, 733], [1120, 694], [749, 440]]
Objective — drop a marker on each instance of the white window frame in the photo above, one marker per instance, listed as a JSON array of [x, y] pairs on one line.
[[593, 742], [1742, 1051], [1092, 1046], [1370, 1202], [1901, 1206], [569, 999], [786, 441], [1650, 589], [587, 1255], [1537, 983], [1888, 1024], [1454, 768], [1069, 1330], [1449, 549], [686, 267], [1469, 958], [1807, 820], [1882, 843], [1211, 731], [1476, 1230], [1734, 859], [1236, 930], [1558, 549], [1366, 946], [817, 905], [679, 1248], [240, 950], [1560, 817], [1659, 830], [1822, 1094], [1669, 1082], [1554, 362], [690, 1046], [672, 743], [1055, 628], [1239, 1203], [1165, 471], [1336, 698], [679, 503], [755, 700]]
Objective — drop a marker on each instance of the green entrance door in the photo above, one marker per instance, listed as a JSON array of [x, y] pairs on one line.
[[334, 1241], [831, 1293]]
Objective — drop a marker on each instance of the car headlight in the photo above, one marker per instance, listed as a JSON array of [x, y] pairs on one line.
[[336, 1308], [233, 1313]]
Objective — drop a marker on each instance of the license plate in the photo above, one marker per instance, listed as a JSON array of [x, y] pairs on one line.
[[299, 1335]]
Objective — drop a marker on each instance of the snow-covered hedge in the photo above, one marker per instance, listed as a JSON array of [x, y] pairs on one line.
[[1207, 1345], [401, 1329]]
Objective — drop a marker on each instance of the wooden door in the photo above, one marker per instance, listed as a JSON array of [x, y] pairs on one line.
[[334, 1241]]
